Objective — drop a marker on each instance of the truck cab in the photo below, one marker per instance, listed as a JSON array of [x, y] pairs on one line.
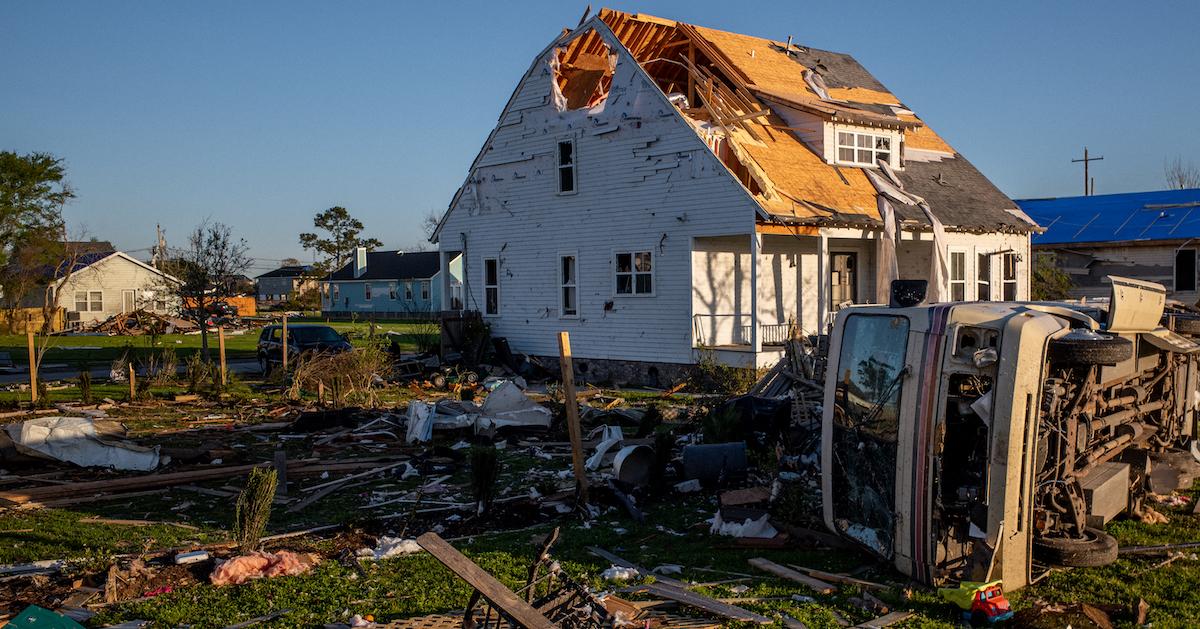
[[959, 440]]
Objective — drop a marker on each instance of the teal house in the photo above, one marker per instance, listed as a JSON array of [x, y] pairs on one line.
[[391, 284]]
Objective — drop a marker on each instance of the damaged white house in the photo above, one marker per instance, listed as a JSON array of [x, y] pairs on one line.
[[664, 191]]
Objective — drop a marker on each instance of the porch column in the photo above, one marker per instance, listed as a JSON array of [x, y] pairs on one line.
[[823, 286], [444, 269], [755, 337]]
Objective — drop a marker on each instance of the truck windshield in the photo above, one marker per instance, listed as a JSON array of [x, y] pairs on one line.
[[866, 417]]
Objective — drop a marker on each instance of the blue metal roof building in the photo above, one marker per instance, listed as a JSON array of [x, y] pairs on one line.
[[1161, 215]]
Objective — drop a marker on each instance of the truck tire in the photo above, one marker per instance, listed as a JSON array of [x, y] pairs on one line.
[[1187, 324], [1084, 347], [1095, 548]]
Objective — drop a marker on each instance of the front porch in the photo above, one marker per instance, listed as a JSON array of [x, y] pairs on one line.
[[751, 294]]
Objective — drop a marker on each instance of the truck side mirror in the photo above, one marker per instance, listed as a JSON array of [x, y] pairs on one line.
[[908, 293]]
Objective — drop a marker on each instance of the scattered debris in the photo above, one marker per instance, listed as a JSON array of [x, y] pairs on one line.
[[81, 441], [259, 565]]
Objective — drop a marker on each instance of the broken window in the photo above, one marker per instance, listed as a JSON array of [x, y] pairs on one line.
[[958, 276], [866, 422], [863, 149], [491, 286], [566, 166], [1009, 280], [635, 273], [983, 277], [1185, 270], [569, 301]]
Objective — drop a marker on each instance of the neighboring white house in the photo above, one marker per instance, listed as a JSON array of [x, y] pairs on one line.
[[663, 191], [105, 283]]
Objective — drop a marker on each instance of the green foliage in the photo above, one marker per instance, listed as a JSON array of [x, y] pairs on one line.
[[207, 270], [1049, 282], [714, 376], [485, 469], [651, 419], [197, 371], [254, 508], [722, 425], [85, 385], [343, 237]]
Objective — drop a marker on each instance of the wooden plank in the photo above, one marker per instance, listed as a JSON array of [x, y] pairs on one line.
[[499, 596], [766, 565], [572, 408], [710, 605], [33, 366], [886, 620], [840, 578]]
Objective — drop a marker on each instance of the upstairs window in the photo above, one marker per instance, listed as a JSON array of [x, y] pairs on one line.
[[491, 286], [863, 149], [635, 273], [1009, 280], [566, 166], [958, 276], [1185, 270], [569, 295], [983, 277]]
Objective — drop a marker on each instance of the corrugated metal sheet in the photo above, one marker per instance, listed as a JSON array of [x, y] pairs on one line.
[[1132, 216]]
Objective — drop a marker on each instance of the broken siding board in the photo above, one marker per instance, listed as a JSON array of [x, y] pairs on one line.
[[784, 572], [710, 605]]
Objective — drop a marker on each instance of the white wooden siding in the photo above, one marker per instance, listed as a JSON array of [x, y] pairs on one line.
[[112, 276]]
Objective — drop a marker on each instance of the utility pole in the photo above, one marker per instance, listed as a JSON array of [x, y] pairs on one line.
[[1086, 178]]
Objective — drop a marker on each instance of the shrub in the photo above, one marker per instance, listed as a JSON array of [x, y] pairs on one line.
[[349, 377], [720, 378], [85, 385], [197, 370], [485, 469], [254, 508]]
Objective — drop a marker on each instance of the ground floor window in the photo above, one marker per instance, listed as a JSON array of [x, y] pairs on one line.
[[491, 286], [1009, 278], [367, 292], [568, 283], [1185, 270], [425, 288], [983, 277], [408, 291], [86, 301], [635, 273], [958, 276]]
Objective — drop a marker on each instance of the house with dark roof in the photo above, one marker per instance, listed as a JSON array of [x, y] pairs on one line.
[[1152, 236], [665, 192], [391, 284], [284, 284]]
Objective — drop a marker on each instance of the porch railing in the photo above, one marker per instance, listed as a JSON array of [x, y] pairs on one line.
[[716, 330]]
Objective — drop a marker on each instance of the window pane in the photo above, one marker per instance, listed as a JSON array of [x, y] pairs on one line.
[[642, 262], [883, 142], [846, 139], [643, 284], [845, 155], [568, 269], [492, 297], [1185, 270], [491, 276], [568, 300], [983, 268], [1010, 291], [887, 157], [958, 265], [1010, 266], [958, 292], [864, 156], [566, 178], [566, 153], [864, 141], [624, 262], [624, 284]]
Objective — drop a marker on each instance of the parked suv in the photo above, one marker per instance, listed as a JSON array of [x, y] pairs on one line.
[[989, 440], [301, 339]]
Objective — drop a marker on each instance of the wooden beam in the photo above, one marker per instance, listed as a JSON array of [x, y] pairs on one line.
[[787, 230], [783, 572], [572, 408], [502, 598], [750, 116], [710, 605]]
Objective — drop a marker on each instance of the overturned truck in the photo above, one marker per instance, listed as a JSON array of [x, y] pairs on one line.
[[990, 440]]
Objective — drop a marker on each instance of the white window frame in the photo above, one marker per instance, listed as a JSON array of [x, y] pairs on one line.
[[408, 291], [987, 283], [426, 290], [563, 284], [573, 165], [855, 147], [966, 268], [81, 297], [1015, 281], [632, 253], [392, 291], [1175, 271], [96, 301], [367, 291], [491, 287]]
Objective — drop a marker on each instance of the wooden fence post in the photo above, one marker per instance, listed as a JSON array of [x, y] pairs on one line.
[[33, 368], [572, 406], [284, 349], [132, 382], [221, 348]]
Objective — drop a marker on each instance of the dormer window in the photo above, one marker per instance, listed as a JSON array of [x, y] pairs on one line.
[[863, 149]]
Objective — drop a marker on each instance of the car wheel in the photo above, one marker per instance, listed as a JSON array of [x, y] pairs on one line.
[[1095, 548], [264, 366], [438, 381], [472, 377], [1186, 324], [1084, 347]]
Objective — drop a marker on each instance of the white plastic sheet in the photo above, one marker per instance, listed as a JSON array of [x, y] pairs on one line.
[[75, 440]]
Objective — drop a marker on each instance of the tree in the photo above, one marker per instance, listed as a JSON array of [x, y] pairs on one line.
[[1180, 175], [1049, 282], [343, 237], [33, 248], [207, 271]]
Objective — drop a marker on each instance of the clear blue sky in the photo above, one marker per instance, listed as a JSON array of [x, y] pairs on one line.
[[260, 114]]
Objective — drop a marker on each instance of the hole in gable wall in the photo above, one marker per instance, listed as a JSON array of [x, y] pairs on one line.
[[583, 72]]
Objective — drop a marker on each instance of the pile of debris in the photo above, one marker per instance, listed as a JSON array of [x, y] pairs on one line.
[[139, 322]]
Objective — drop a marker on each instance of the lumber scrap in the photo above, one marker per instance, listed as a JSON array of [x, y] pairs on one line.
[[840, 578], [699, 601], [502, 598], [886, 620], [766, 565]]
